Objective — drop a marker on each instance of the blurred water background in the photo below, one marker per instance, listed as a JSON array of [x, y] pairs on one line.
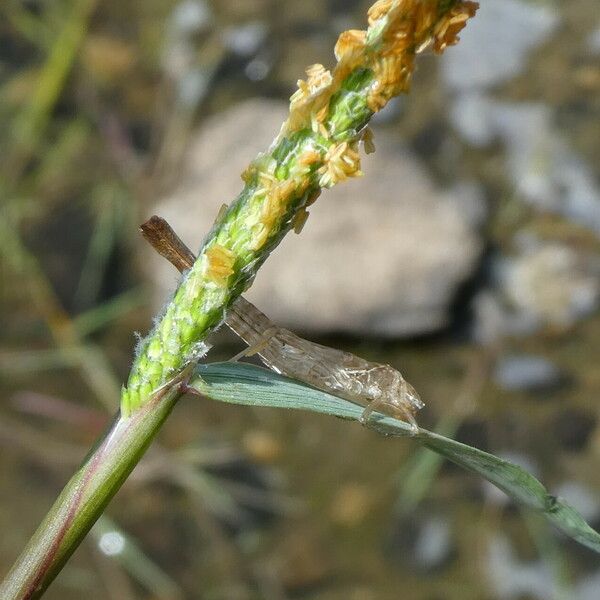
[[468, 257]]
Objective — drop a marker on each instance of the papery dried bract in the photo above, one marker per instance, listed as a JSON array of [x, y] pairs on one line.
[[220, 263]]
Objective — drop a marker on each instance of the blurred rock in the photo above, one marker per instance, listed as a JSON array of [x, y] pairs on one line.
[[495, 46], [587, 588], [593, 42], [106, 58], [544, 169], [434, 544], [382, 255], [303, 561], [488, 318], [259, 67], [245, 40], [550, 284], [574, 427], [471, 116], [190, 75], [236, 11], [261, 446], [422, 542], [511, 579], [351, 504], [190, 17], [527, 373]]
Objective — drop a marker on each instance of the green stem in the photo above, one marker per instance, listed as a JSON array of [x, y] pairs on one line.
[[85, 496]]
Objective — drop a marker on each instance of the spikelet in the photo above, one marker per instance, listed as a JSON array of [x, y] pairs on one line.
[[221, 214], [299, 220], [379, 10], [265, 182], [399, 29], [309, 157], [378, 97], [341, 161], [446, 31], [309, 97], [312, 198], [368, 140], [320, 115], [350, 42], [249, 173], [316, 122], [275, 205], [300, 170], [387, 70], [318, 78], [260, 234], [399, 42], [219, 265], [392, 76], [425, 16]]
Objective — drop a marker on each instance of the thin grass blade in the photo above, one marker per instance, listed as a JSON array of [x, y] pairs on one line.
[[239, 383]]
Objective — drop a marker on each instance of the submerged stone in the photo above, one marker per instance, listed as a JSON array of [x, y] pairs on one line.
[[525, 372], [495, 46], [549, 284]]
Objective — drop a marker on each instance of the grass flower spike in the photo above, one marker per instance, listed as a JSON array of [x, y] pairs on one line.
[[316, 148]]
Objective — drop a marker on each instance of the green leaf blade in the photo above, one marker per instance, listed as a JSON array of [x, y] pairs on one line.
[[245, 384]]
